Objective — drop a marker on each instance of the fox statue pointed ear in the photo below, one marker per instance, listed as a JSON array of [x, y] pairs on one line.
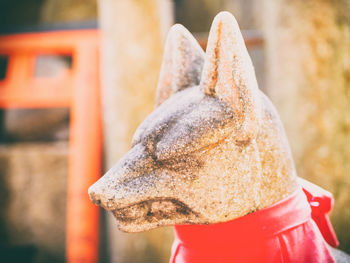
[[228, 73], [182, 65]]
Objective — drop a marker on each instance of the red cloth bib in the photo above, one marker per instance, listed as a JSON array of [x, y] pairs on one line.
[[283, 232]]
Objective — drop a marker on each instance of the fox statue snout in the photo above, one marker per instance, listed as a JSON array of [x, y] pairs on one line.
[[213, 149]]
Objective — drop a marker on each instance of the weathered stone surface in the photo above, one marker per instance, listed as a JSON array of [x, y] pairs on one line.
[[308, 60], [33, 180], [210, 152]]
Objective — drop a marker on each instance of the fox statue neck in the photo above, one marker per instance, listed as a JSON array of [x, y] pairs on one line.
[[278, 177]]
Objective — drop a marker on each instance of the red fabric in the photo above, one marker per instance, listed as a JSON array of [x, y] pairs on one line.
[[283, 232], [321, 203]]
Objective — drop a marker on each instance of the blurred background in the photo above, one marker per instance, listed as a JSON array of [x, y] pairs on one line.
[[301, 53]]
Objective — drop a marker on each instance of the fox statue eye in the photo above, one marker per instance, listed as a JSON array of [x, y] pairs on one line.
[[186, 122]]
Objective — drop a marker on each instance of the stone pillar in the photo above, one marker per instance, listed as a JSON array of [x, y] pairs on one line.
[[133, 35], [308, 64]]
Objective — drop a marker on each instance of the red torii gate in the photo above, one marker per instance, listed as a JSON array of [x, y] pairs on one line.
[[77, 88]]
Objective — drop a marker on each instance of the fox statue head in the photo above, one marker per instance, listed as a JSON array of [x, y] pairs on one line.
[[213, 150]]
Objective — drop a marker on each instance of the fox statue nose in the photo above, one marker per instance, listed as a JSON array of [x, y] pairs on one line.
[[99, 198], [95, 197]]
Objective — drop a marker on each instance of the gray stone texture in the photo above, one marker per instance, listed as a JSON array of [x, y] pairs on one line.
[[33, 180]]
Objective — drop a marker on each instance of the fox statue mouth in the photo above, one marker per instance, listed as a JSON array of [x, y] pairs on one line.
[[153, 213]]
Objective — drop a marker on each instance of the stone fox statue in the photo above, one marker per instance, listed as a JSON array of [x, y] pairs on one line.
[[213, 151]]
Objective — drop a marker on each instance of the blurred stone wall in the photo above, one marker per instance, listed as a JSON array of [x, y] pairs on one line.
[[33, 202], [308, 64], [53, 11]]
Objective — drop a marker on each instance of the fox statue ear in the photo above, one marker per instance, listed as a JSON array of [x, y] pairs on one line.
[[228, 73], [182, 65]]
